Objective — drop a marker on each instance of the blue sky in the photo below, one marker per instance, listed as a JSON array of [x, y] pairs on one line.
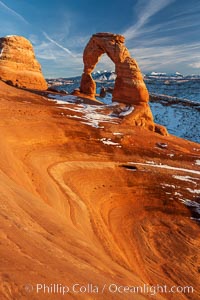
[[162, 35]]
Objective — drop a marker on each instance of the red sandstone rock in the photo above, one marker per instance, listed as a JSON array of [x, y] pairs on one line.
[[71, 211], [129, 85], [19, 65]]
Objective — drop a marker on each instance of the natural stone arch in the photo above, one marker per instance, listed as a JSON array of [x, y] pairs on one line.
[[129, 85]]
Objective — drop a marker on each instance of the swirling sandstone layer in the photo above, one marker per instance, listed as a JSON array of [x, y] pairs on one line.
[[74, 212], [18, 64]]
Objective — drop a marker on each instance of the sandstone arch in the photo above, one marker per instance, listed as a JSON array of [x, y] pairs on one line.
[[129, 85]]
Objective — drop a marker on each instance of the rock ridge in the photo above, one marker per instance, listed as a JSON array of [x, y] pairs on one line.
[[18, 64]]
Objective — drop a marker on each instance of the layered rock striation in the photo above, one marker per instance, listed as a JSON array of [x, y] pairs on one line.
[[129, 85], [18, 64], [81, 205]]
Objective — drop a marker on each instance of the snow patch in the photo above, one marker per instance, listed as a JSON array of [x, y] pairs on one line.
[[60, 99], [197, 162], [190, 203], [167, 167], [185, 178], [126, 111], [109, 142], [74, 116], [178, 194], [168, 185], [90, 113], [196, 219], [151, 162], [103, 77], [193, 191], [1, 51], [11, 35], [170, 155], [92, 116], [113, 76], [158, 73], [69, 108], [95, 125]]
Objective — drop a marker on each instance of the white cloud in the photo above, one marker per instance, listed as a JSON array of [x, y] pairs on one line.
[[49, 54], [171, 44], [164, 57], [13, 12], [144, 13], [45, 50], [195, 65], [58, 45]]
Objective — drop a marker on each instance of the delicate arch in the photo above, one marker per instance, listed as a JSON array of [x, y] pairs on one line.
[[129, 85]]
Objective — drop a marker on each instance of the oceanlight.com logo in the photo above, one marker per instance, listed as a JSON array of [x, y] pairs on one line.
[[112, 288]]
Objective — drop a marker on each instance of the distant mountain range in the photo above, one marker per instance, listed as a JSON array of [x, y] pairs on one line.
[[104, 76]]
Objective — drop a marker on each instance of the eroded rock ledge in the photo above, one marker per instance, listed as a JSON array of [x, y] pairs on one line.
[[18, 64], [129, 85]]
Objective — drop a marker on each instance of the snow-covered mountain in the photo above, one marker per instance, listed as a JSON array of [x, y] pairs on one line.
[[104, 75]]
